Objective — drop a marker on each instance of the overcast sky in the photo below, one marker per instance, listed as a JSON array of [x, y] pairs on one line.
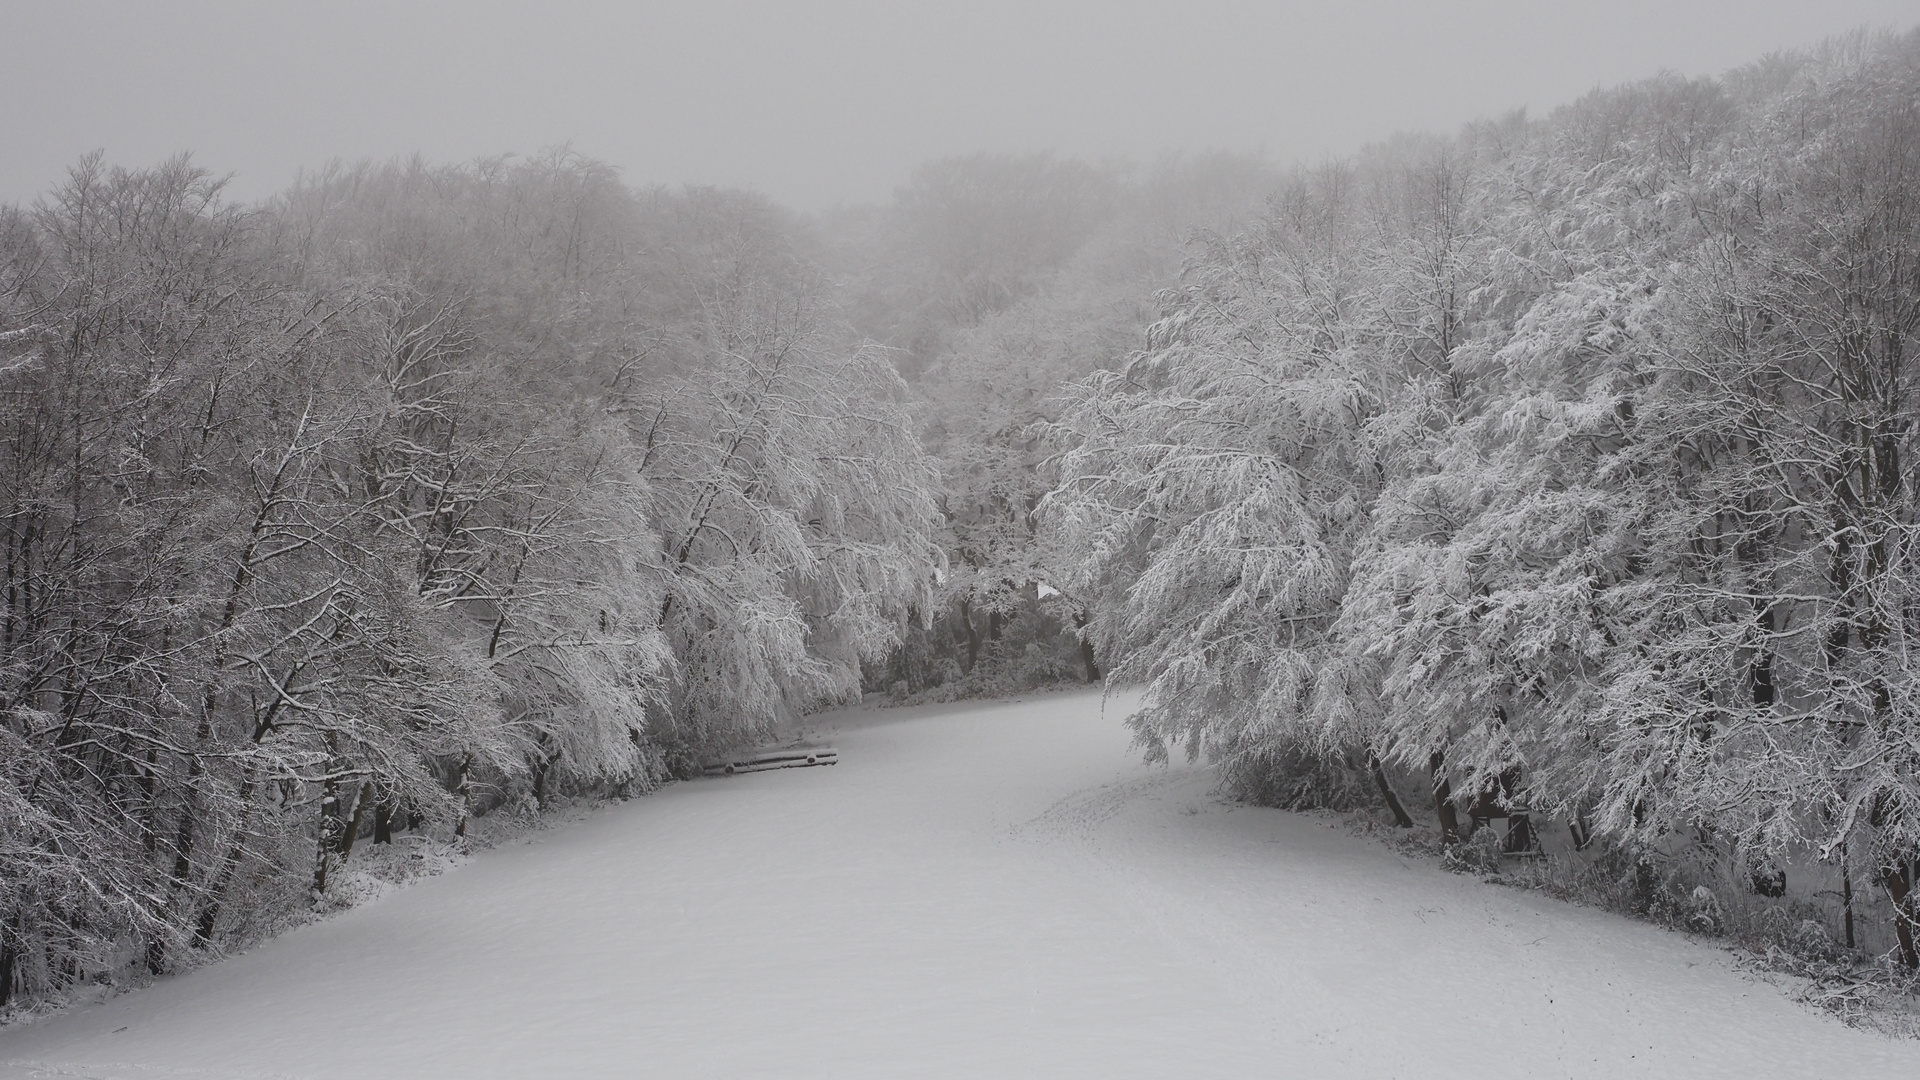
[[817, 103]]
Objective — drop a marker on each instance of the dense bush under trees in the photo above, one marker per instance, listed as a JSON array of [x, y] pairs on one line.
[[1567, 464]]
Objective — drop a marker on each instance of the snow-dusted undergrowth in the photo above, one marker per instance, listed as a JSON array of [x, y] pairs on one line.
[[1788, 942], [973, 891]]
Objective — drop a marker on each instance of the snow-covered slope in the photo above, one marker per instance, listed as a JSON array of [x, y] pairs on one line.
[[989, 891]]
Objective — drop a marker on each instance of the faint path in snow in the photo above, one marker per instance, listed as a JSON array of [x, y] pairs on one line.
[[986, 890]]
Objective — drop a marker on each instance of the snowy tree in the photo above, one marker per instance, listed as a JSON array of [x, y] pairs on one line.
[[793, 500], [342, 512], [1219, 483], [1563, 460]]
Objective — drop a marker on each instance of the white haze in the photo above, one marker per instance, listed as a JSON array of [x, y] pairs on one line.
[[820, 103]]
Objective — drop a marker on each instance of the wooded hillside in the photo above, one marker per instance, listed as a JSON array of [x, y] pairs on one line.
[[1564, 465]]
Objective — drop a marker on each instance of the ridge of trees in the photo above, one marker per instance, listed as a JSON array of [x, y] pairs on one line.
[[1566, 463], [412, 492]]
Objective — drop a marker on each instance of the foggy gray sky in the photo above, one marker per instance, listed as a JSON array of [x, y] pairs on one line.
[[814, 103]]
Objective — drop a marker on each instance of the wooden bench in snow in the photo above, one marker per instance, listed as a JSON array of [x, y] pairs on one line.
[[786, 757]]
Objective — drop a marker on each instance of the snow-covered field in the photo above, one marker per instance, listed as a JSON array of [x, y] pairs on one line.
[[991, 891]]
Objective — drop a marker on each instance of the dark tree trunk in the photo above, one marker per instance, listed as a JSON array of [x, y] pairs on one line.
[[332, 825], [149, 823], [1086, 646], [188, 822], [542, 764], [323, 847], [359, 818], [183, 842], [9, 960], [1400, 816], [1443, 801], [465, 790], [210, 915], [203, 926], [1846, 896], [1581, 832], [973, 633], [185, 829], [1763, 693], [1753, 555], [1520, 838], [1898, 881]]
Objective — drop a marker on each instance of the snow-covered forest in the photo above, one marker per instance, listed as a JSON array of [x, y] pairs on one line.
[[415, 492], [1558, 470], [1565, 465]]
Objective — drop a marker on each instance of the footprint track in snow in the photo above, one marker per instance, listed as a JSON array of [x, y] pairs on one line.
[[1076, 819]]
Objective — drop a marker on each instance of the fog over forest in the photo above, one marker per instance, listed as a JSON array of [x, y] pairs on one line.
[[1533, 485]]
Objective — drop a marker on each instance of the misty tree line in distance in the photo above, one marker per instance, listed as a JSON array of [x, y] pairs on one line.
[[1561, 463]]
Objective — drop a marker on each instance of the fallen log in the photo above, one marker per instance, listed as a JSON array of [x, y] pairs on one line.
[[785, 757]]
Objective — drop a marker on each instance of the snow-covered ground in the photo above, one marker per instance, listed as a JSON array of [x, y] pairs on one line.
[[981, 891]]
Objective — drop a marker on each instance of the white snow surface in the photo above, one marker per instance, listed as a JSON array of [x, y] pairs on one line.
[[979, 891]]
